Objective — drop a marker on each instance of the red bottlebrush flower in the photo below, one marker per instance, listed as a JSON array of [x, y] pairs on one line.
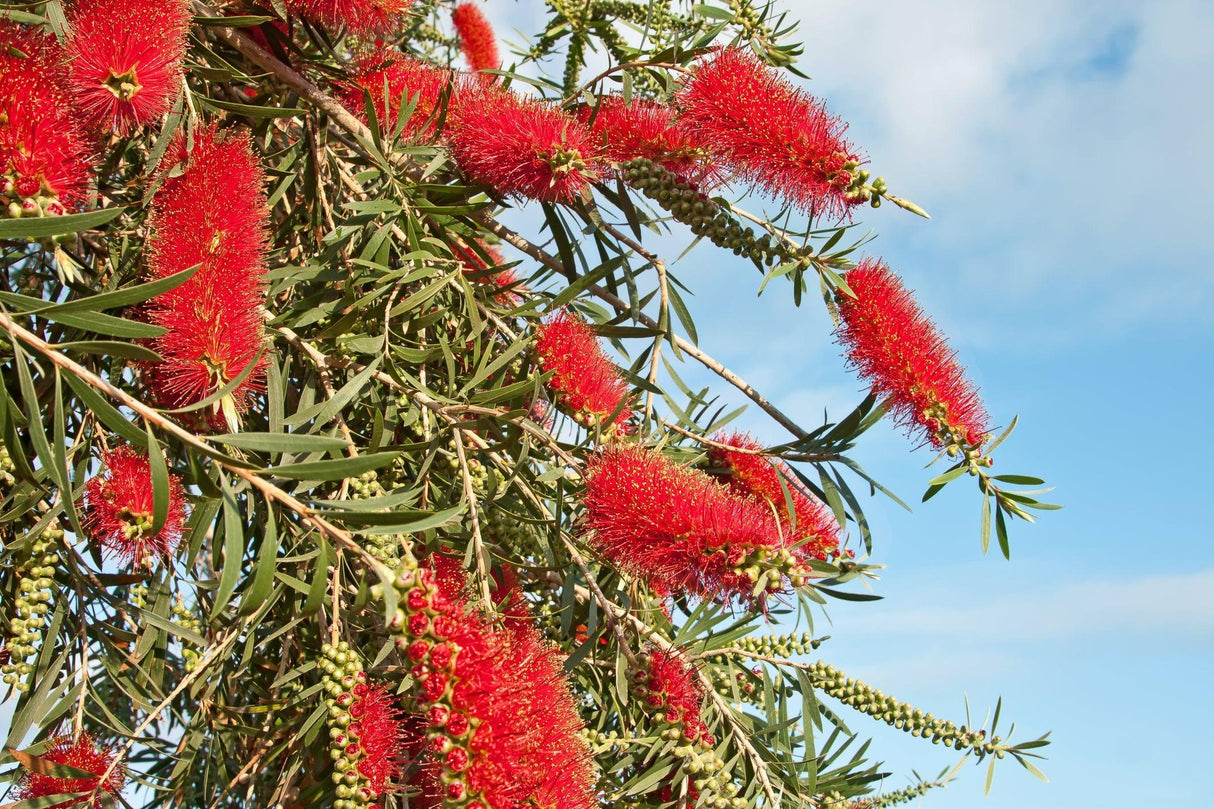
[[749, 474], [391, 79], [897, 348], [44, 169], [118, 509], [769, 132], [476, 39], [584, 381], [679, 531], [502, 724], [211, 214], [675, 693], [480, 269], [125, 60], [360, 17], [379, 727], [645, 129], [523, 146], [82, 753]]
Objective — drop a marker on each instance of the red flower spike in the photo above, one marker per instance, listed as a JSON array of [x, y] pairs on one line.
[[362, 17], [44, 168], [382, 738], [476, 39], [896, 347], [752, 475], [475, 266], [82, 753], [646, 129], [679, 531], [210, 212], [673, 680], [523, 147], [124, 60], [509, 708], [118, 509], [769, 132], [584, 381], [391, 78]]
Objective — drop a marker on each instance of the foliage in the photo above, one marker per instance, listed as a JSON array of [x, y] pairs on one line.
[[253, 452]]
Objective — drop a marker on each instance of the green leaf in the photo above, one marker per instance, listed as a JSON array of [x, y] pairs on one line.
[[712, 12], [103, 410], [112, 348], [320, 578], [424, 523], [250, 110], [235, 21], [1001, 533], [1018, 480], [160, 482], [119, 297], [951, 475], [263, 568], [39, 227], [333, 469], [282, 442], [233, 547]]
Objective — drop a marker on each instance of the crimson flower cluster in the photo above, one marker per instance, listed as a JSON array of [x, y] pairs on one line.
[[362, 17], [809, 524], [501, 726], [44, 168], [681, 532], [82, 753], [118, 509], [671, 689], [641, 128], [523, 146], [764, 129], [209, 213], [389, 79], [896, 347], [476, 38], [584, 381], [124, 60], [477, 267], [378, 729]]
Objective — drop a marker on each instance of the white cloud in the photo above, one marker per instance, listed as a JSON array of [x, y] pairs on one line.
[[1179, 605], [1061, 144]]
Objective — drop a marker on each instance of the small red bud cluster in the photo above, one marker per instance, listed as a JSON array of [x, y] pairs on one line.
[[501, 724], [367, 738], [84, 753], [673, 696], [118, 509], [44, 167]]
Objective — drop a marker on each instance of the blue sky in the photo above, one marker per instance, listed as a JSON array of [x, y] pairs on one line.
[[1063, 149]]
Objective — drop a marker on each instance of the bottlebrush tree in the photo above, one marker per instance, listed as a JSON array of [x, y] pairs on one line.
[[328, 478]]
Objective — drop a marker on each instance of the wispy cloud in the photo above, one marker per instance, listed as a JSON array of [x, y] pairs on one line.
[[1032, 130], [1171, 606]]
